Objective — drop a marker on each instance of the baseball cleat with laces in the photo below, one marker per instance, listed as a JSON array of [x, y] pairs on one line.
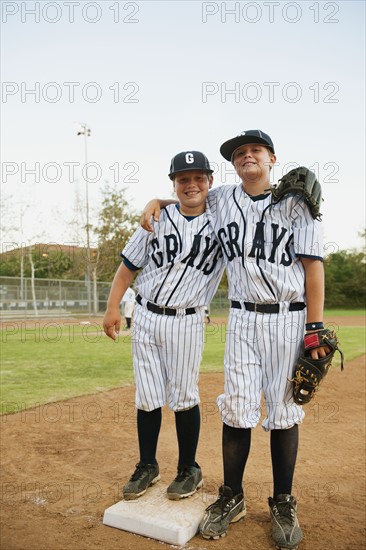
[[188, 481], [225, 510], [144, 476], [286, 530]]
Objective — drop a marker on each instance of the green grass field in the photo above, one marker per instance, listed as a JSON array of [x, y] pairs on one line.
[[344, 313], [45, 362], [222, 312]]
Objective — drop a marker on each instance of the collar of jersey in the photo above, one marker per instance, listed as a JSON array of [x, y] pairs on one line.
[[259, 197], [188, 218]]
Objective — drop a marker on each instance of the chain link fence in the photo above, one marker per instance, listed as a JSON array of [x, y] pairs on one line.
[[60, 297]]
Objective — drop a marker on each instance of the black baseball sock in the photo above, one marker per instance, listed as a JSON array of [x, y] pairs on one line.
[[284, 445], [188, 424], [148, 428], [235, 452]]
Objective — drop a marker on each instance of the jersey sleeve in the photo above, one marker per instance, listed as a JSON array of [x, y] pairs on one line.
[[129, 264], [211, 201], [135, 253], [308, 233]]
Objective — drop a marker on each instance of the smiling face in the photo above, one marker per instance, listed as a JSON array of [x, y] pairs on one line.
[[252, 163], [192, 188]]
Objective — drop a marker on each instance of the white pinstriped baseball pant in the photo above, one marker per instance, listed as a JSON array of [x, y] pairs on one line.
[[260, 354], [167, 353]]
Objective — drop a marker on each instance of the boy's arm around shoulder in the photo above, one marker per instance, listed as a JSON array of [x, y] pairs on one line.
[[112, 317], [152, 210], [154, 207]]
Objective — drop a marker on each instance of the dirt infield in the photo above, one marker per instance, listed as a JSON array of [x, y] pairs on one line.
[[64, 463]]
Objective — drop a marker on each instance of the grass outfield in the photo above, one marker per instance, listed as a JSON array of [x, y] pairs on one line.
[[327, 312], [344, 313], [50, 361]]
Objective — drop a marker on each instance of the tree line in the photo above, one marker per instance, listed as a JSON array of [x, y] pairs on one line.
[[345, 270]]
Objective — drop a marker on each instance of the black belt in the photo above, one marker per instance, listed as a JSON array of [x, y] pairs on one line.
[[161, 310], [267, 308]]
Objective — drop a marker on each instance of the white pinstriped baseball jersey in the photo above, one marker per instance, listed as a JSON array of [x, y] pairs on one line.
[[182, 260], [263, 242]]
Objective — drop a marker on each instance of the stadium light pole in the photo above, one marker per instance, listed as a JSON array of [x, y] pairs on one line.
[[85, 131], [23, 208], [21, 255]]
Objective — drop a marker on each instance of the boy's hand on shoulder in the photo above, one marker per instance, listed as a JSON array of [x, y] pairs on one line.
[[152, 209], [112, 322]]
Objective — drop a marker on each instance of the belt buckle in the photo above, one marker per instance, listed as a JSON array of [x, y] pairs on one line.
[[255, 307], [163, 308]]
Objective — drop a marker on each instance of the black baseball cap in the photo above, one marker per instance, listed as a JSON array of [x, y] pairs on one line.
[[249, 136], [189, 160]]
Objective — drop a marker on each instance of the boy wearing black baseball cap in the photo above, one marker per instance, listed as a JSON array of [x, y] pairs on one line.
[[249, 136]]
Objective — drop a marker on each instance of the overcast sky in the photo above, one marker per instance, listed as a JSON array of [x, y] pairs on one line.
[[152, 79]]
